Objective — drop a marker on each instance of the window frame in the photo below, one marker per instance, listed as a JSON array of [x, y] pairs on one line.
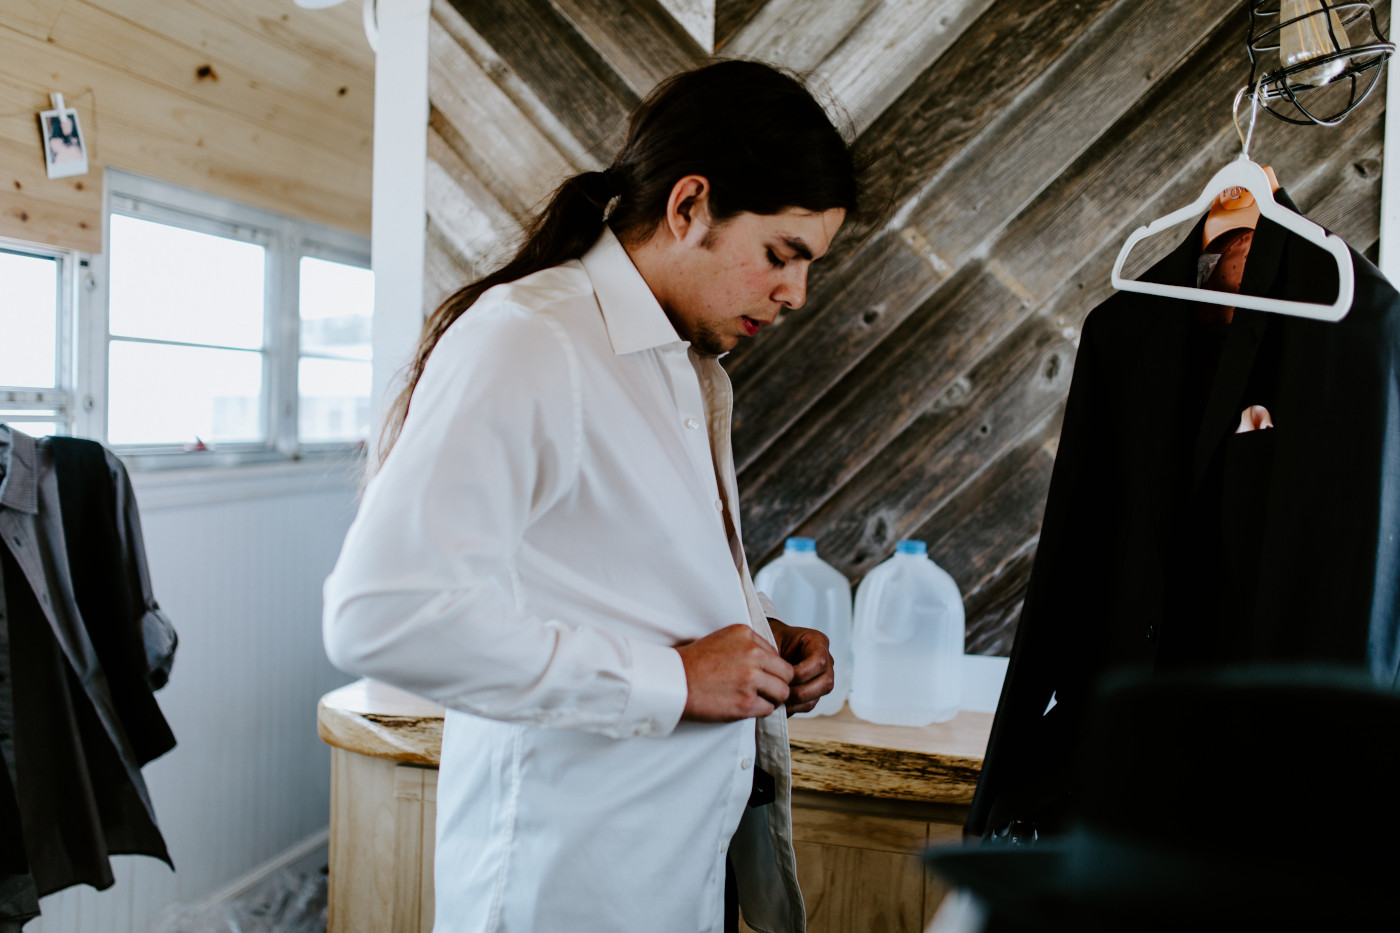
[[286, 241], [62, 398]]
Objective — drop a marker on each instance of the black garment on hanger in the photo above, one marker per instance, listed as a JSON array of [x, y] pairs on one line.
[[82, 647], [1169, 541]]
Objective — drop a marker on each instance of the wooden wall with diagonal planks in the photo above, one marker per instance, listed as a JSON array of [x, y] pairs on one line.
[[919, 392]]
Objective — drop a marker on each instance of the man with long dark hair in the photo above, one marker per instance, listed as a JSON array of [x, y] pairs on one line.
[[551, 549]]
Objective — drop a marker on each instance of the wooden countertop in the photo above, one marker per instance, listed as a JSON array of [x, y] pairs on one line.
[[834, 754]]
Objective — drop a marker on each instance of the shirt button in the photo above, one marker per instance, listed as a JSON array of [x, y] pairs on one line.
[[692, 424], [719, 506], [724, 847], [746, 764]]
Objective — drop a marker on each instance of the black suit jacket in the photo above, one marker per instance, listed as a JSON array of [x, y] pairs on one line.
[[1169, 541]]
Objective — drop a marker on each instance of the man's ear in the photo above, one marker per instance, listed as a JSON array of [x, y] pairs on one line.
[[688, 208]]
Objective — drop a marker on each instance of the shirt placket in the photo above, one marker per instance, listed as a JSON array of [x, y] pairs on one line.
[[690, 410]]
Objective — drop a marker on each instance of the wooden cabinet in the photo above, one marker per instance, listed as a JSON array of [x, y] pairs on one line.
[[381, 846], [860, 865], [867, 800]]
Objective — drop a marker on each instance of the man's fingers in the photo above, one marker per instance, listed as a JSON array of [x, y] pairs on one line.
[[811, 667], [772, 688]]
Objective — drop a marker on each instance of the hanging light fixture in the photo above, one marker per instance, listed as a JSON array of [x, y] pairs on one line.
[[1314, 68]]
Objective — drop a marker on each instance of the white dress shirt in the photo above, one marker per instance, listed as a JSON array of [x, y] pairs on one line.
[[558, 513]]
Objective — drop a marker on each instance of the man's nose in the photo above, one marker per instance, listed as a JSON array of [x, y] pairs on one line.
[[793, 290]]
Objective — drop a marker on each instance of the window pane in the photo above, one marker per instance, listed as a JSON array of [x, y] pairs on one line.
[[169, 283], [334, 402], [336, 303], [175, 395], [28, 320], [35, 428]]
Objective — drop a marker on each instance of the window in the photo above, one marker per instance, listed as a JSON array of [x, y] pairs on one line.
[[216, 327], [36, 320]]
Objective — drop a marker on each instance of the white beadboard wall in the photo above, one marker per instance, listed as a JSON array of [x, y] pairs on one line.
[[237, 564]]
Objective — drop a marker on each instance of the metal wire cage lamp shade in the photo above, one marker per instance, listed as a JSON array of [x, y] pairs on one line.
[[1325, 56]]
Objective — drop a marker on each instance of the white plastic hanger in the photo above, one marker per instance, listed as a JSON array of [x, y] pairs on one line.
[[1242, 173]]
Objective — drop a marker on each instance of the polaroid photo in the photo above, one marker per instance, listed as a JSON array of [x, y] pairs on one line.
[[65, 151]]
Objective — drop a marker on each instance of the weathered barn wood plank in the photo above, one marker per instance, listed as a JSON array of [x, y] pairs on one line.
[[696, 17], [445, 157], [996, 60], [983, 533], [891, 278], [797, 33], [1111, 65], [515, 161], [639, 39], [461, 222], [950, 103], [730, 15], [904, 475], [874, 403], [993, 610], [973, 532], [1346, 198], [567, 73], [888, 50], [319, 116], [513, 87], [444, 268]]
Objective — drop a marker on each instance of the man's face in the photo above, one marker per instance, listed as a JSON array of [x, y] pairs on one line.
[[735, 278]]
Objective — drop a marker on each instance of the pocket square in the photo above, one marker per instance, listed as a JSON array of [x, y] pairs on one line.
[[1254, 418]]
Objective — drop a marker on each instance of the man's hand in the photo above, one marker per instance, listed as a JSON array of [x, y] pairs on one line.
[[813, 669], [734, 674]]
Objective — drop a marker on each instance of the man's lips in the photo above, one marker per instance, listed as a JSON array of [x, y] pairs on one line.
[[751, 326]]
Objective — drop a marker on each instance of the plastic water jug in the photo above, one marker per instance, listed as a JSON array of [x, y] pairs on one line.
[[809, 592], [908, 641]]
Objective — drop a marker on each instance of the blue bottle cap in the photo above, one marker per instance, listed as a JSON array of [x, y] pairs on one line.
[[918, 548], [800, 546]]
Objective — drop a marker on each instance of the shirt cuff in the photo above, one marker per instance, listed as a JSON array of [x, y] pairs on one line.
[[659, 691], [769, 610]]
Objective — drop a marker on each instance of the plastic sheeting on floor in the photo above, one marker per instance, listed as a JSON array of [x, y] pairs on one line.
[[287, 902]]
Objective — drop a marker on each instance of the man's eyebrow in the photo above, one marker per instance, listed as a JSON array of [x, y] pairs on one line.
[[797, 246]]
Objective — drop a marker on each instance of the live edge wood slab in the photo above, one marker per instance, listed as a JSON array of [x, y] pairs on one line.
[[830, 754]]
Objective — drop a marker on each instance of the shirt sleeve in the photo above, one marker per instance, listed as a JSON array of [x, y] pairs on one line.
[[425, 595]]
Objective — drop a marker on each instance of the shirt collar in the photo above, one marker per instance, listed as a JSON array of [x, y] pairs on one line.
[[631, 313], [19, 487]]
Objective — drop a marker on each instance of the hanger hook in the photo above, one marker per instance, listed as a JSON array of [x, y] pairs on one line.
[[1246, 138]]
